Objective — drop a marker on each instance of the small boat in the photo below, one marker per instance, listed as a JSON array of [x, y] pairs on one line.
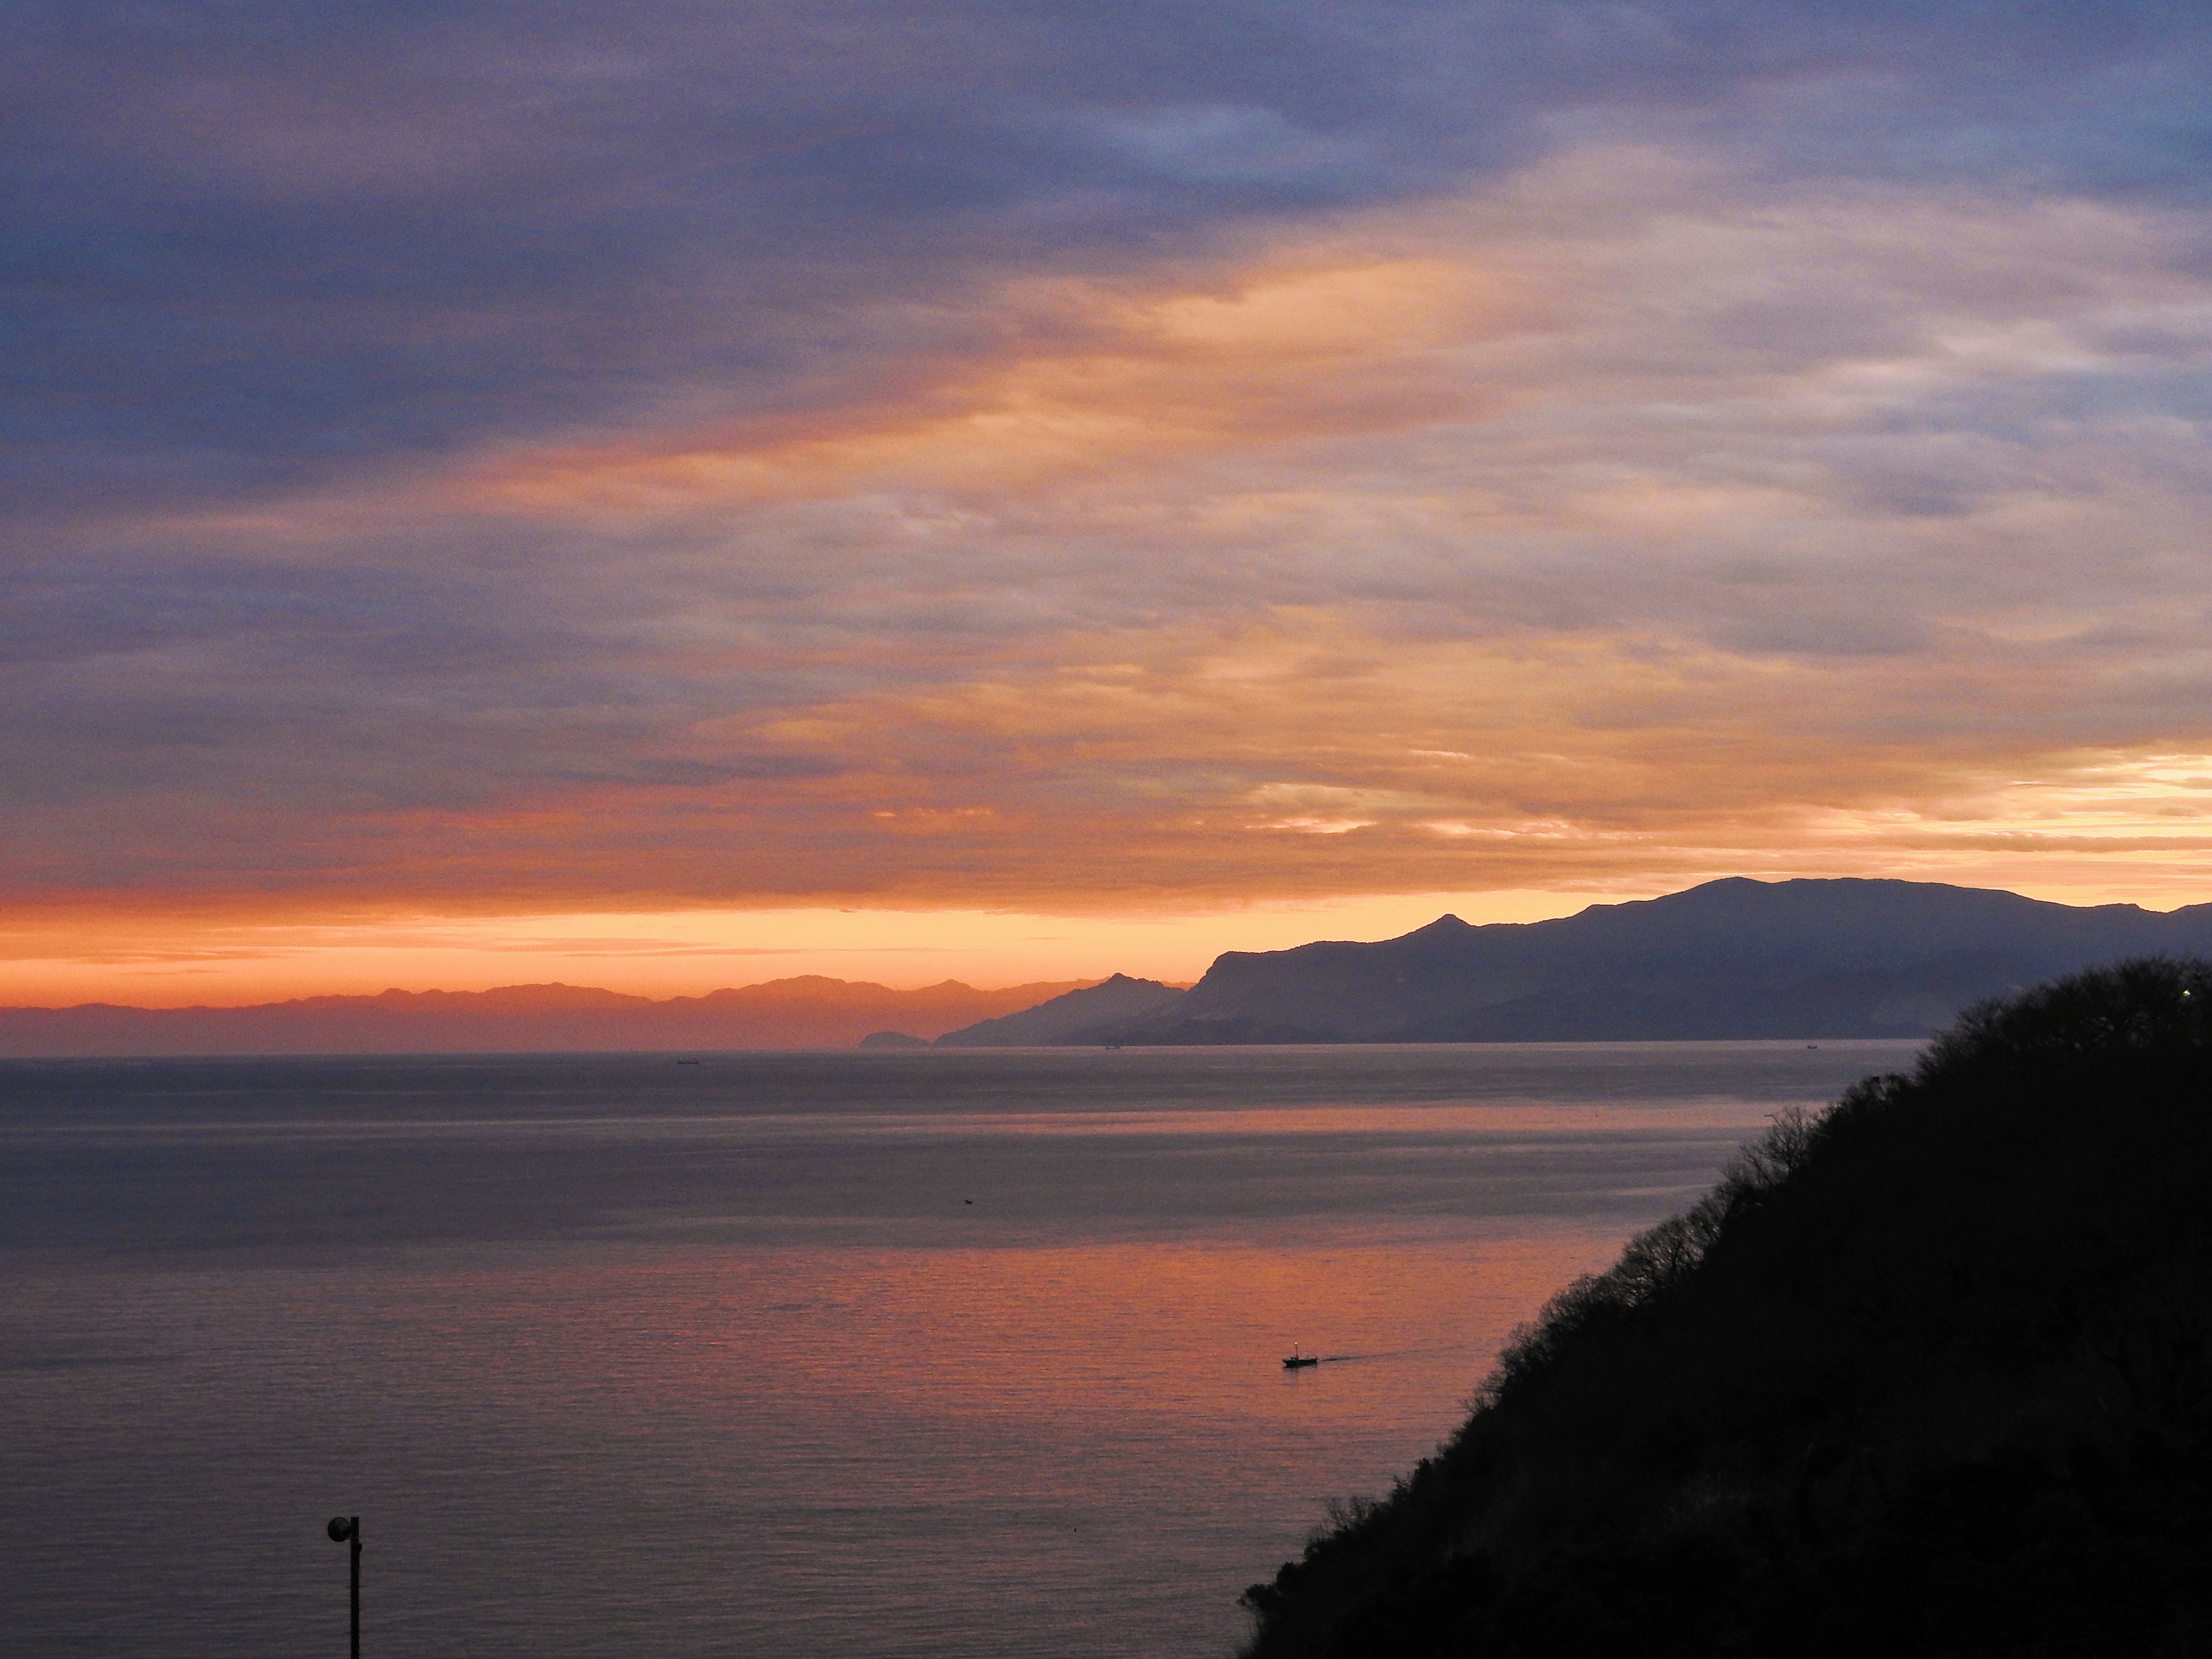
[[1298, 1361]]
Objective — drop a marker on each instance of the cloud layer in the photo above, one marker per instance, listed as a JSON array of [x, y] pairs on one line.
[[1101, 458]]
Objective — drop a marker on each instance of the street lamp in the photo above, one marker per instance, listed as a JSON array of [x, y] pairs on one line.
[[344, 1529]]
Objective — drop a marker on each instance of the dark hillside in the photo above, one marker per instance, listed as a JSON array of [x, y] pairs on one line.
[[1930, 1374]]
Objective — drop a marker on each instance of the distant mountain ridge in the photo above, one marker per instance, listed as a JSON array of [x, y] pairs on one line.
[[807, 1011], [1063, 1018], [1735, 958]]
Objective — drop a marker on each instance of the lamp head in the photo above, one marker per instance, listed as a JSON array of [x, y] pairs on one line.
[[342, 1529]]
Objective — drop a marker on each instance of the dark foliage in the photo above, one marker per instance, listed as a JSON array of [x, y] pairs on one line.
[[1929, 1374]]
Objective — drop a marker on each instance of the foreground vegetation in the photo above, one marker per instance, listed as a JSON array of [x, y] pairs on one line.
[[1929, 1373]]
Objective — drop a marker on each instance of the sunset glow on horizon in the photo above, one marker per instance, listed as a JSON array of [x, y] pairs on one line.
[[679, 498]]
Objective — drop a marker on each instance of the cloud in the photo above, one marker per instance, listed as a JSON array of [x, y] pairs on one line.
[[1080, 458], [254, 248]]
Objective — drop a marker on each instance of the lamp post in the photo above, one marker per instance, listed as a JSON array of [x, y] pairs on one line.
[[346, 1529]]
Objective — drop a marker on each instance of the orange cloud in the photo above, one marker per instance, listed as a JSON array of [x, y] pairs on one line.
[[1612, 528], [1095, 378]]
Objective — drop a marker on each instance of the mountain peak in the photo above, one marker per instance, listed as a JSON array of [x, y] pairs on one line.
[[1446, 925]]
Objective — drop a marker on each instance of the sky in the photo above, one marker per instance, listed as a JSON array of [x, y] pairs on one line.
[[667, 494]]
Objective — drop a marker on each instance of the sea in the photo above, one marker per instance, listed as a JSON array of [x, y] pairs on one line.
[[868, 1355]]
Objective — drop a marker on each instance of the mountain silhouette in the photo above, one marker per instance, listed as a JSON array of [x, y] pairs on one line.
[[806, 1012], [1118, 999], [1734, 958], [1728, 959]]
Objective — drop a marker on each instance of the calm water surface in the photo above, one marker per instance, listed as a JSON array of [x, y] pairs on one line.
[[853, 1354]]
